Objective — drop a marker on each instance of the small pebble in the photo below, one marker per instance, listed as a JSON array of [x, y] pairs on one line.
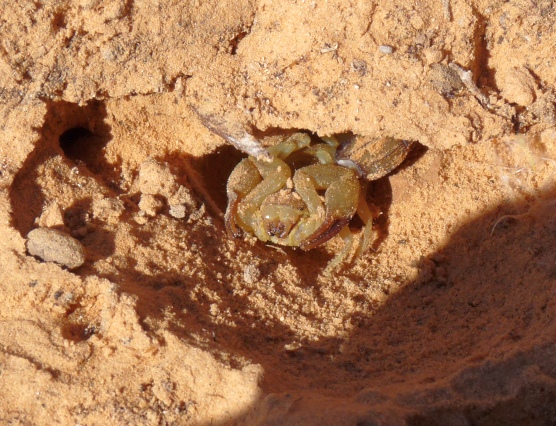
[[517, 85], [56, 246], [150, 204], [385, 49], [141, 218], [177, 211], [251, 274], [155, 178], [432, 56], [108, 209], [444, 79]]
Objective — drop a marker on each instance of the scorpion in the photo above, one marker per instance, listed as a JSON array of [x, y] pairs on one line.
[[309, 192], [302, 193]]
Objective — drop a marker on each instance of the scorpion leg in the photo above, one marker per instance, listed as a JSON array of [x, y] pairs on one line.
[[244, 178], [294, 143], [364, 212], [347, 236]]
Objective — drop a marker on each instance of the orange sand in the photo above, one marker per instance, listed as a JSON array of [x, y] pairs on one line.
[[449, 320]]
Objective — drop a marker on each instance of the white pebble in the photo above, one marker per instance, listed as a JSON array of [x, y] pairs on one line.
[[177, 211], [387, 50], [251, 274]]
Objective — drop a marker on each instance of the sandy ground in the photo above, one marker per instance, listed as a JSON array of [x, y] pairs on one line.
[[448, 319]]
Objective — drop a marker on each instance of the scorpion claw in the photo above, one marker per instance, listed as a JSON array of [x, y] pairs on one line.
[[329, 229], [230, 215]]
